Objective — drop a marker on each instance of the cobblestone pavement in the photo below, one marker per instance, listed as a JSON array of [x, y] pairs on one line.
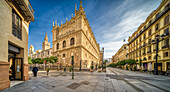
[[114, 80]]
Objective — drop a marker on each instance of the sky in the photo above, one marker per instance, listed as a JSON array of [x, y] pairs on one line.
[[111, 20]]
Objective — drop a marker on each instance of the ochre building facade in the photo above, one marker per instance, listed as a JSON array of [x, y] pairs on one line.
[[121, 54], [140, 43]]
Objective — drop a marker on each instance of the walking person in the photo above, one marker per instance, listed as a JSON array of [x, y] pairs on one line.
[[35, 70]]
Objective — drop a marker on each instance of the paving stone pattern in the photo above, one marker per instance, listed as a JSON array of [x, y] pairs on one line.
[[114, 80]]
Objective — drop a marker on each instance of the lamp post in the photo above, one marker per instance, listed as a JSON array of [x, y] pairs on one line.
[[80, 65], [59, 55], [156, 41], [72, 63]]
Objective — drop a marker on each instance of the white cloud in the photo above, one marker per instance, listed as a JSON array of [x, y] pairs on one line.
[[126, 22]]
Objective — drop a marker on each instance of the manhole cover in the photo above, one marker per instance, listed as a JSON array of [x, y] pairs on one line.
[[74, 86], [85, 82]]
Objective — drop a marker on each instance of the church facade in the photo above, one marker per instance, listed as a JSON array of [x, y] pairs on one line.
[[45, 52], [75, 38]]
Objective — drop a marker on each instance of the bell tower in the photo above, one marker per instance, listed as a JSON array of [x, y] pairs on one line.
[[45, 44]]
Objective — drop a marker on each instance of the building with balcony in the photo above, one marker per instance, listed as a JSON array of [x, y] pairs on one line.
[[15, 17], [121, 54], [140, 43], [75, 38]]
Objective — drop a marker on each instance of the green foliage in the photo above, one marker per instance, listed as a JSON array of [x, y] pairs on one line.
[[140, 62], [70, 69], [99, 67], [29, 60], [105, 61], [47, 69], [104, 67], [91, 67], [123, 62], [126, 67], [53, 59], [113, 65], [135, 68], [131, 61], [37, 60]]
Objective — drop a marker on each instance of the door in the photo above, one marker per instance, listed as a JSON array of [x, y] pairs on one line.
[[12, 69], [18, 68]]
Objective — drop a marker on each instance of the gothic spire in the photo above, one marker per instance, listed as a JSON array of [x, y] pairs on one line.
[[46, 38], [81, 6], [55, 22], [75, 9]]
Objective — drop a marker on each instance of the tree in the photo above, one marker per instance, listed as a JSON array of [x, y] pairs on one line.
[[29, 60], [140, 64], [37, 60], [53, 60], [131, 62], [105, 61]]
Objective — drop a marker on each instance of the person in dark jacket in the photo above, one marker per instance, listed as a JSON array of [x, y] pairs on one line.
[[35, 70]]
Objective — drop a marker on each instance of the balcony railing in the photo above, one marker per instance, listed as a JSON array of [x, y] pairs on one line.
[[25, 9], [144, 53], [16, 31], [153, 21], [166, 46]]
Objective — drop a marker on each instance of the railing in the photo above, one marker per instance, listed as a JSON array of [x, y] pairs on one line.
[[153, 21], [30, 8], [16, 31], [166, 46], [144, 53]]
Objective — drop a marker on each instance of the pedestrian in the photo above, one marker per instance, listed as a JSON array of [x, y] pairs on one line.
[[35, 70]]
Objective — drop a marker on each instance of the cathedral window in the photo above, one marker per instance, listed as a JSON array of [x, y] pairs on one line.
[[57, 45], [64, 44], [72, 41]]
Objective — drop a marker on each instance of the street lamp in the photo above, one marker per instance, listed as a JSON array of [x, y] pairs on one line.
[[156, 41], [80, 65], [72, 63]]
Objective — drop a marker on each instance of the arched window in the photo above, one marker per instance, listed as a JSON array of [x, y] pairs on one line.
[[72, 41], [64, 44], [57, 45]]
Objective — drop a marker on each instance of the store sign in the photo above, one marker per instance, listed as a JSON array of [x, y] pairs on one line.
[[13, 48]]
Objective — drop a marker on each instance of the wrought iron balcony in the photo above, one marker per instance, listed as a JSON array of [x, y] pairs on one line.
[[166, 46], [165, 10], [24, 8], [16, 31], [144, 53]]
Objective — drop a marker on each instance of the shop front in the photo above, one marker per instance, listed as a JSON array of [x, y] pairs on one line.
[[15, 63]]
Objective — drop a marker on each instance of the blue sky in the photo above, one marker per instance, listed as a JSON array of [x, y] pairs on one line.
[[111, 20]]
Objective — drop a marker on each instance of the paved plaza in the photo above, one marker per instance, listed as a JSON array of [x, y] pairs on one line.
[[114, 80]]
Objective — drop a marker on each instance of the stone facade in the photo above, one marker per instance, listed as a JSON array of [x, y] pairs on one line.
[[140, 43], [14, 27], [75, 38], [121, 54], [45, 52]]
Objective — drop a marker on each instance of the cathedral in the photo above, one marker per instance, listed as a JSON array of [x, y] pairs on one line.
[[73, 38]]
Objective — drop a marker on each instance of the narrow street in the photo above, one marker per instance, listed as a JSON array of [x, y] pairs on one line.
[[114, 80]]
